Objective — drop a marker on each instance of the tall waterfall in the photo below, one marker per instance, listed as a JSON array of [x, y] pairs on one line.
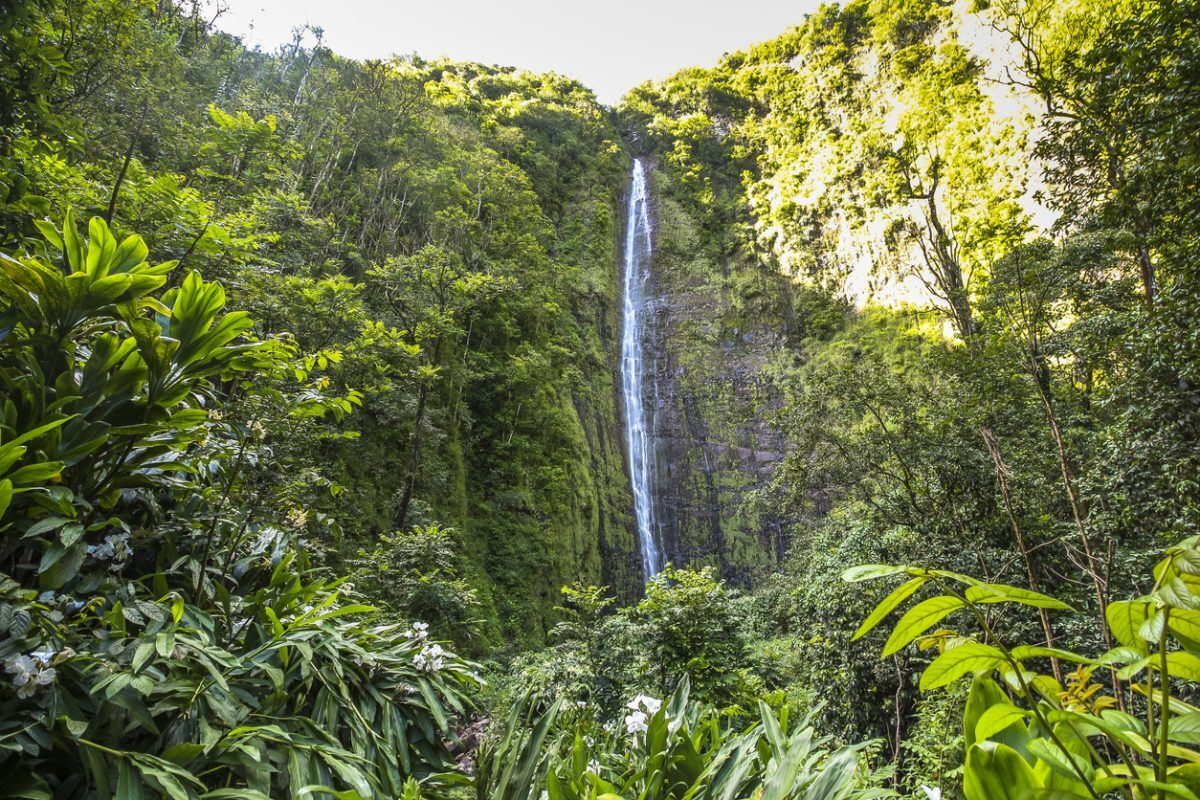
[[638, 248]]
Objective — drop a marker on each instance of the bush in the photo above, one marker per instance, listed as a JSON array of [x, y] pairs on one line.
[[162, 628]]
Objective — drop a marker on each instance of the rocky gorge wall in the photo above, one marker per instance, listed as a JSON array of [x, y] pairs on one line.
[[714, 323], [797, 184]]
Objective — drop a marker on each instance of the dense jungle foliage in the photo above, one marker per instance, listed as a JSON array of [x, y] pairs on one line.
[[312, 479]]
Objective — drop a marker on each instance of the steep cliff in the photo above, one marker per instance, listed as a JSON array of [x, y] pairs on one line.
[[870, 156], [716, 319]]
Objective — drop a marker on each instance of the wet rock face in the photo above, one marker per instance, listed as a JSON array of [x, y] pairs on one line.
[[711, 328]]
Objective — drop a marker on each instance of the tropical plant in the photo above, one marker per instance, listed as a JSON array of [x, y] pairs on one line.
[[1120, 724], [678, 749], [164, 632]]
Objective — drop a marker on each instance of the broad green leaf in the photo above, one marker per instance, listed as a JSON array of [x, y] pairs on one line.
[[1000, 593], [49, 233], [36, 473], [1185, 728], [868, 572], [998, 718], [997, 772], [1125, 617], [1152, 629], [958, 661], [986, 693], [919, 619], [73, 243], [898, 596], [1183, 665], [1185, 623], [1063, 763], [1038, 651]]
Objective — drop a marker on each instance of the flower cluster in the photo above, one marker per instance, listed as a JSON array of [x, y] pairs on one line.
[[31, 671], [642, 708], [430, 659], [57, 606], [115, 548]]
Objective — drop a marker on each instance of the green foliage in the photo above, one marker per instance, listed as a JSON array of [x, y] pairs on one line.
[[691, 629], [673, 749], [875, 345], [160, 641], [689, 626], [337, 202], [420, 575], [1028, 731]]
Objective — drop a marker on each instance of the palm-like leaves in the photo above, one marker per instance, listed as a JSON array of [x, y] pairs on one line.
[[266, 682], [683, 754], [92, 278]]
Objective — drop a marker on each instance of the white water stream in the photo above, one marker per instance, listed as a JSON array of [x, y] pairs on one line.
[[638, 248]]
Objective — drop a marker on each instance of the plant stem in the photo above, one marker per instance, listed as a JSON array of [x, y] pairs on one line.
[[1027, 692], [1164, 680]]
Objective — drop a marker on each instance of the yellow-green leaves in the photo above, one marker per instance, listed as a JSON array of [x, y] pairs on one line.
[[918, 619], [997, 772], [999, 718], [958, 661], [924, 615], [869, 572], [1000, 593], [1125, 620], [902, 593], [94, 277]]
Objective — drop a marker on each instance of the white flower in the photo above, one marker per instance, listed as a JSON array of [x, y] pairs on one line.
[[430, 658], [594, 767], [932, 792], [651, 704], [44, 656], [46, 597], [635, 723], [23, 669], [419, 631], [28, 672], [115, 546]]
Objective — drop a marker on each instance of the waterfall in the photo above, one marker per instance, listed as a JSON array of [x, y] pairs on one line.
[[638, 248]]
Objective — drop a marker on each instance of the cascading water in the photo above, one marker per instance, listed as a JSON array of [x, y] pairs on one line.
[[638, 246]]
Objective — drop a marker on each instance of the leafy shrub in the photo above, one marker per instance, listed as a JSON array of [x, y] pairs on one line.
[[162, 628], [1118, 725], [672, 749], [420, 573], [689, 625]]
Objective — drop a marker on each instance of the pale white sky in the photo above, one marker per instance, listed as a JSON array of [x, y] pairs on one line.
[[610, 46]]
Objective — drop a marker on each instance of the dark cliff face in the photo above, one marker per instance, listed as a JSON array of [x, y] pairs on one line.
[[713, 325]]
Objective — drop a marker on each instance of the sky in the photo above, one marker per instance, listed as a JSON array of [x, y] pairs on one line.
[[610, 46]]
